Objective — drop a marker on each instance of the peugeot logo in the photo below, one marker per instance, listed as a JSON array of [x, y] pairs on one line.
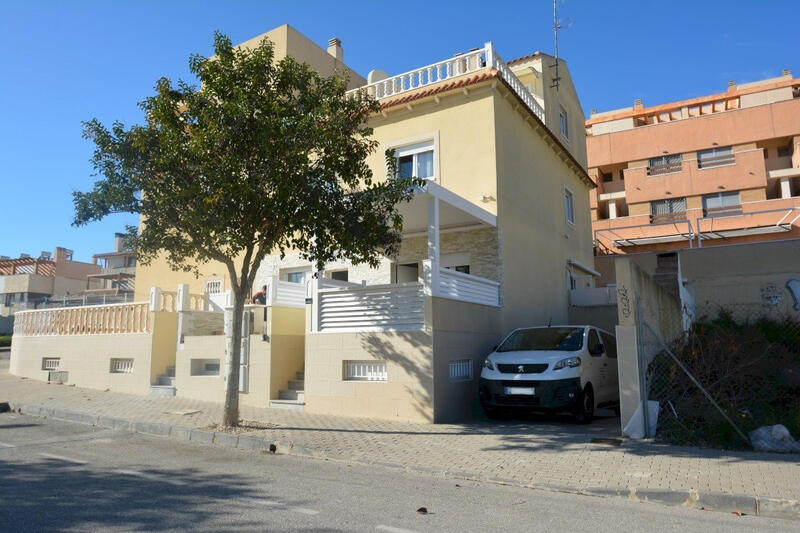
[[520, 369]]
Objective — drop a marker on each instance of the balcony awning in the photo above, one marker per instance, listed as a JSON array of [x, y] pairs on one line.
[[455, 212], [757, 230], [638, 241]]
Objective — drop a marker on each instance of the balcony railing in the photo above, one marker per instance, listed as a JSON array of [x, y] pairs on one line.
[[667, 168], [90, 320], [468, 63], [716, 161]]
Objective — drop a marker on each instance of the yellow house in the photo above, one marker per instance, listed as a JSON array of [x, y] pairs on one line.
[[494, 240]]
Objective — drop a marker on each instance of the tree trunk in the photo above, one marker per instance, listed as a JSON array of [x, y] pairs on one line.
[[230, 416]]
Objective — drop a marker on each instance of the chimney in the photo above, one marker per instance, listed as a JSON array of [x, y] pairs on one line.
[[335, 48], [24, 256], [118, 241], [45, 256], [637, 104], [787, 72]]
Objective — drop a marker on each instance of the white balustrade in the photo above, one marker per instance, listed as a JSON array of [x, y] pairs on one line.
[[88, 320], [453, 67], [389, 307], [467, 288]]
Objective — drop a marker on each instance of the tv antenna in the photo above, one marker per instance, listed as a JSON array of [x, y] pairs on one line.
[[557, 25]]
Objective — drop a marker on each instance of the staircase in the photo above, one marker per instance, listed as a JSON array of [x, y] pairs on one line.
[[293, 397], [165, 384]]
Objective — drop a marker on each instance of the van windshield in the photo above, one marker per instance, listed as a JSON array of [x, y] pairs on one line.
[[559, 339]]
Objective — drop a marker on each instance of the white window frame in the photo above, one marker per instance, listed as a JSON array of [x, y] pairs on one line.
[[213, 286], [563, 121], [419, 144], [121, 365], [51, 363], [567, 213], [283, 274]]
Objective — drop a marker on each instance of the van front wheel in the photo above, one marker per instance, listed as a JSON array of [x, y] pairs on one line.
[[584, 411]]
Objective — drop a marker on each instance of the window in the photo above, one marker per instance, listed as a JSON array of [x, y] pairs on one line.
[[340, 275], [607, 177], [50, 363], [563, 122], [214, 286], [621, 175], [569, 206], [591, 341], [460, 370], [415, 161], [560, 339], [665, 164], [610, 344], [722, 204], [121, 366], [9, 299], [204, 367], [296, 275], [785, 151], [668, 207], [715, 157], [464, 269], [365, 371]]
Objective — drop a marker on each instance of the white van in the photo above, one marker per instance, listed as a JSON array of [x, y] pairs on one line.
[[552, 368]]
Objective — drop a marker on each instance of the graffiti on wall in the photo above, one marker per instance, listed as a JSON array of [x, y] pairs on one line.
[[771, 295]]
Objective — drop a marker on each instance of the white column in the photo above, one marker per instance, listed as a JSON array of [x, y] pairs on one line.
[[183, 297], [433, 247], [489, 47], [314, 295], [155, 298], [786, 188], [612, 209]]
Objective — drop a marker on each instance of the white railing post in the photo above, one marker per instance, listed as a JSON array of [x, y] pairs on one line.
[[315, 296], [155, 299], [184, 303], [432, 287], [272, 291], [489, 47]]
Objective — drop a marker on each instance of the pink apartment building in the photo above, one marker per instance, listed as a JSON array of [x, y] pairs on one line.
[[719, 169]]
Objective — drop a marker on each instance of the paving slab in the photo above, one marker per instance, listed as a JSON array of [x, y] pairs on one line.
[[540, 452]]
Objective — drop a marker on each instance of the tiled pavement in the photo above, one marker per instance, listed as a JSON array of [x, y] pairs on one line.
[[540, 452]]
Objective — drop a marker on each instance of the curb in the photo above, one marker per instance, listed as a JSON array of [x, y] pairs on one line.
[[691, 499]]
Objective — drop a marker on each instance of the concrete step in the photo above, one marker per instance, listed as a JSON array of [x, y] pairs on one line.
[[301, 375], [288, 394], [166, 381], [171, 371], [297, 384], [162, 390], [293, 405]]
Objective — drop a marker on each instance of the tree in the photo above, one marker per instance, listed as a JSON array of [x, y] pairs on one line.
[[265, 157]]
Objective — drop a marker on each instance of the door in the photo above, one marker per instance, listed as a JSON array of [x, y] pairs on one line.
[[598, 367], [610, 343]]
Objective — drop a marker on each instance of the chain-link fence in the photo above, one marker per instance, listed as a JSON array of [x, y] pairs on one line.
[[732, 380]]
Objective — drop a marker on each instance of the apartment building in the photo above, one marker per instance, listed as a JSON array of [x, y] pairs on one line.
[[718, 169], [117, 271], [26, 281], [494, 240]]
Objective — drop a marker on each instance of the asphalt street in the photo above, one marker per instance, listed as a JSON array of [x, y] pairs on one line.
[[70, 477]]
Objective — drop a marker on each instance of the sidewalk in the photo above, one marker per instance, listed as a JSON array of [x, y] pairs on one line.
[[540, 454]]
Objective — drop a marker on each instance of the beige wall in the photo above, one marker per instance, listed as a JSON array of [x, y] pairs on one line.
[[290, 42], [87, 358], [537, 240], [26, 283], [273, 361], [461, 331]]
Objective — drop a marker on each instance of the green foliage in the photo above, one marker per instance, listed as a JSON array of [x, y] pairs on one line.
[[265, 156], [5, 340]]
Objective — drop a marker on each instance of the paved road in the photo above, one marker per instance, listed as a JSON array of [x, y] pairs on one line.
[[62, 476]]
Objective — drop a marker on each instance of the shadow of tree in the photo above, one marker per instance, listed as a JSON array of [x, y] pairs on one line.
[[384, 346], [50, 495]]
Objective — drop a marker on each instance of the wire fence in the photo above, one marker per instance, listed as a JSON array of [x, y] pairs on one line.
[[732, 380]]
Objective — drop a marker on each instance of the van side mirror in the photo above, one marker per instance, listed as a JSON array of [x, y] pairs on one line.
[[597, 349]]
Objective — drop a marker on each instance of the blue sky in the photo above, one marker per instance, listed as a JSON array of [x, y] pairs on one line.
[[65, 62]]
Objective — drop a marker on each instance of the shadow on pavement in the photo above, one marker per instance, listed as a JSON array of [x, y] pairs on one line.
[[49, 495]]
